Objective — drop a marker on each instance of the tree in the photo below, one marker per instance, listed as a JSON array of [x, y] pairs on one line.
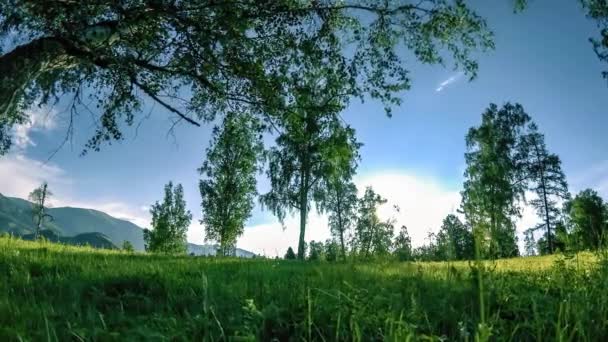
[[341, 205], [598, 10], [229, 184], [548, 182], [403, 245], [39, 198], [560, 240], [312, 146], [495, 178], [316, 251], [529, 242], [127, 246], [224, 54], [332, 250], [170, 221], [290, 255], [588, 215], [372, 236], [455, 240]]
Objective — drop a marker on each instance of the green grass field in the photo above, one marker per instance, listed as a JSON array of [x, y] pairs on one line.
[[58, 293]]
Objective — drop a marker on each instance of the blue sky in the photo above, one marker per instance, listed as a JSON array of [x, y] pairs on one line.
[[543, 60]]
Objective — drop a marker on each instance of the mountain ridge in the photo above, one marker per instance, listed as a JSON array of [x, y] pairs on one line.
[[69, 222]]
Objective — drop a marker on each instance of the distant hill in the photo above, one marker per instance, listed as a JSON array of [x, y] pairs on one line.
[[212, 250], [82, 224], [16, 218], [97, 240]]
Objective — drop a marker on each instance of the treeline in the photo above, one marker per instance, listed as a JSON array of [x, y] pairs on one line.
[[312, 164]]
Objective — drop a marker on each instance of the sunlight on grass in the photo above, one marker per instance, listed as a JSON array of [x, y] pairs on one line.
[[55, 292]]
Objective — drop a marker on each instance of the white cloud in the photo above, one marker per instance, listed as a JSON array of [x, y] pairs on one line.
[[19, 175], [423, 204], [449, 81], [39, 119], [423, 201], [272, 240]]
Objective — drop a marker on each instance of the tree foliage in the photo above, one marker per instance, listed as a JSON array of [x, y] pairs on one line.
[[197, 58], [455, 240], [312, 146], [530, 244], [127, 246], [170, 222], [588, 214], [316, 251], [561, 241], [229, 184], [340, 196], [290, 255], [495, 177], [598, 11], [39, 198], [373, 237], [332, 250], [403, 245]]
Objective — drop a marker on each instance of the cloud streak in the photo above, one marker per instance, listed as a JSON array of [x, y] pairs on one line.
[[38, 120], [447, 82]]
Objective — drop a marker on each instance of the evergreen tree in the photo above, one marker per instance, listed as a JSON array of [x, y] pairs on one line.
[[547, 180], [227, 54], [39, 198], [170, 222], [403, 245], [495, 178], [229, 184], [588, 214], [290, 255]]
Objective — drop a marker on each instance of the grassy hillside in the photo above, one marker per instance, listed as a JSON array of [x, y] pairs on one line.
[[59, 293], [97, 240], [75, 224], [16, 217]]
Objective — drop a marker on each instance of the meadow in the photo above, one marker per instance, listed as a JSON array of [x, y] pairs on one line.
[[51, 292]]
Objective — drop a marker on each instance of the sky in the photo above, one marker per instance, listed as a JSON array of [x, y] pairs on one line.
[[543, 60]]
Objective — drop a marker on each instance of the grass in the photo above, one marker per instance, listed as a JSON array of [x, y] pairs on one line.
[[52, 292]]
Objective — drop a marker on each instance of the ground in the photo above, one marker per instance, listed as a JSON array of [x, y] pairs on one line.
[[60, 293]]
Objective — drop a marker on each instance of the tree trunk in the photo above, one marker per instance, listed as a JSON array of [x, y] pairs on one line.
[[341, 227], [545, 203], [547, 219], [303, 214], [41, 211], [341, 235]]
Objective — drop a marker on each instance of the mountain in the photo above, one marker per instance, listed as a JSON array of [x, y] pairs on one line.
[[97, 240], [16, 218], [79, 224]]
